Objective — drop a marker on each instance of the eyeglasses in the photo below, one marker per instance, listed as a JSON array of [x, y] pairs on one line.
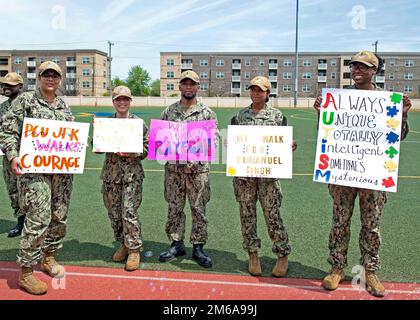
[[359, 66], [51, 75]]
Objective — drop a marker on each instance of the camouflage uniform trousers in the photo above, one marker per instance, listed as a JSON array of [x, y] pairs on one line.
[[268, 191], [371, 204], [10, 180], [197, 187], [45, 198], [122, 201]]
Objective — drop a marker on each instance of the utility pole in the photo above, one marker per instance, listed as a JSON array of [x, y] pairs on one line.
[[296, 54], [376, 46], [109, 67]]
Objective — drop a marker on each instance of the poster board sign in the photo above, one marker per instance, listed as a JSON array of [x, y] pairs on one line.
[[359, 137], [182, 141], [117, 135], [52, 146], [260, 152]]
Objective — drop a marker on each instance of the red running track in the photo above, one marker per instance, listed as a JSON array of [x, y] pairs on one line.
[[86, 283]]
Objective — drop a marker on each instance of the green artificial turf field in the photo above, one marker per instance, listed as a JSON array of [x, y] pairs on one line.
[[306, 211]]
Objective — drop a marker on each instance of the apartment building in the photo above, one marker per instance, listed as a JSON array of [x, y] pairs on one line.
[[85, 72], [229, 74]]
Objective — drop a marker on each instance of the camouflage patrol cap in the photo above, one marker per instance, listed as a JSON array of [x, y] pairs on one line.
[[49, 65], [189, 74], [12, 78], [121, 91], [261, 82], [366, 57]]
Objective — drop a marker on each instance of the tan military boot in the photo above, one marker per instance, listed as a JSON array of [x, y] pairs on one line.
[[133, 260], [30, 283], [333, 279], [51, 266], [254, 266], [373, 285], [120, 254], [280, 269]]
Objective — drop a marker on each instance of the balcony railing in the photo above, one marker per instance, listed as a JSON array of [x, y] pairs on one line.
[[185, 66], [274, 91], [273, 66], [322, 78], [273, 78], [31, 63], [31, 76], [31, 87], [236, 78], [236, 66], [235, 90], [322, 66], [70, 63], [71, 75], [380, 79]]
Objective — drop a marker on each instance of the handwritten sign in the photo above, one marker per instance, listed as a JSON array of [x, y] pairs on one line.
[[192, 141], [51, 146], [359, 139], [117, 135], [260, 151]]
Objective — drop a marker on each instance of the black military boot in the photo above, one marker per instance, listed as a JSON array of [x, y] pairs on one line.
[[17, 230], [201, 257], [176, 249]]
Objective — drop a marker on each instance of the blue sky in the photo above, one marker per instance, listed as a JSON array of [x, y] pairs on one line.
[[141, 29]]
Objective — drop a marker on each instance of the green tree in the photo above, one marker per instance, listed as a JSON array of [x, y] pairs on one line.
[[117, 82], [138, 81], [155, 88]]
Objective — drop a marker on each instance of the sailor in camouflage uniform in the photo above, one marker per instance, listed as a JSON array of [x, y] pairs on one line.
[[364, 65], [191, 178], [44, 197], [122, 177], [268, 191], [12, 85]]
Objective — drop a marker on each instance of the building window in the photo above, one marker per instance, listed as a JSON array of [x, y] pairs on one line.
[[220, 63], [104, 85], [333, 75], [18, 60], [170, 74], [19, 72], [306, 75], [247, 75], [408, 76], [287, 75], [333, 62], [86, 72], [170, 62], [408, 88], [261, 73], [346, 63], [220, 75], [247, 63], [391, 62], [204, 86], [346, 75], [287, 63], [391, 88], [261, 62], [86, 60], [204, 75], [104, 74], [287, 88], [55, 60], [306, 88], [86, 84], [391, 76], [42, 60], [307, 63], [409, 63], [170, 87], [204, 63]]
